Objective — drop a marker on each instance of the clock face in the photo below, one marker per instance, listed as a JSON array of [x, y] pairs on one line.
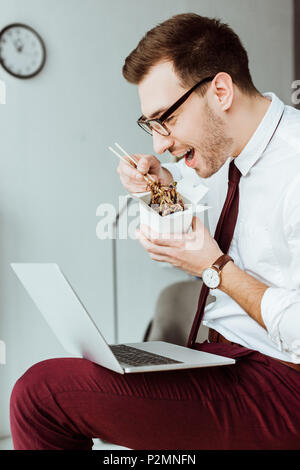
[[211, 278], [22, 51]]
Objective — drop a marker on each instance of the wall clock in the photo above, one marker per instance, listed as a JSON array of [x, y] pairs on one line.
[[22, 51]]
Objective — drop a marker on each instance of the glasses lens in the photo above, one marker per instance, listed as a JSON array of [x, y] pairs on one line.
[[145, 126], [158, 127], [151, 126]]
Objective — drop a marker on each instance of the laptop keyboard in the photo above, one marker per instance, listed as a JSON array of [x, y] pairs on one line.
[[138, 357]]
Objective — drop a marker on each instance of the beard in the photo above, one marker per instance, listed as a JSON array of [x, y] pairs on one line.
[[216, 146]]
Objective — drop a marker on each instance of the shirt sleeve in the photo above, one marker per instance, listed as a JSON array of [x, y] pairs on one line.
[[280, 307]]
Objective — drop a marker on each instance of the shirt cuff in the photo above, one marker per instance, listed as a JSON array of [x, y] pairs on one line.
[[277, 311], [274, 297], [290, 332]]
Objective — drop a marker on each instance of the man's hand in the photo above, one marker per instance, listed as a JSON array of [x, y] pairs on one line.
[[198, 250], [132, 178], [192, 252]]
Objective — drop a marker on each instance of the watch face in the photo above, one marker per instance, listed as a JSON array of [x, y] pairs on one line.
[[22, 51], [211, 278]]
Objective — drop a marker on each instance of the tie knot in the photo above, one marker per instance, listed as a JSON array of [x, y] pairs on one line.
[[234, 173]]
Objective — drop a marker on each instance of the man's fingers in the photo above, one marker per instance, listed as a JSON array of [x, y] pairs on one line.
[[154, 177], [197, 224], [135, 187], [162, 259], [163, 240], [150, 246], [128, 170], [135, 173], [133, 177], [143, 165]]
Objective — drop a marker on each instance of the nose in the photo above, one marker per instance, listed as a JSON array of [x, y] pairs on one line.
[[161, 143]]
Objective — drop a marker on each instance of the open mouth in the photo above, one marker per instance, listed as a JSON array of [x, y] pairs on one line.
[[190, 158]]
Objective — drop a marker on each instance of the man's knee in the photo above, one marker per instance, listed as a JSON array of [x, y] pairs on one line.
[[33, 407], [33, 383], [51, 376]]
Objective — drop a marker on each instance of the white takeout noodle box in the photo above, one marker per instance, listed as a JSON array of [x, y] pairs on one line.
[[178, 222]]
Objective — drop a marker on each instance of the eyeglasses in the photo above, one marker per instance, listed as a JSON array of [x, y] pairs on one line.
[[157, 125]]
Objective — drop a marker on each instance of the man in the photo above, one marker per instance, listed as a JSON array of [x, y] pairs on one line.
[[221, 125]]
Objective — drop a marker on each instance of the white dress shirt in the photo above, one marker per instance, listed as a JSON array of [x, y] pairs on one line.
[[266, 240]]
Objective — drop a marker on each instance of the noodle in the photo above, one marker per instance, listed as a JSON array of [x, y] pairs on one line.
[[165, 199]]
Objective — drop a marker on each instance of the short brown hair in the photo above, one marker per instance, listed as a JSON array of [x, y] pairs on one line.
[[198, 47]]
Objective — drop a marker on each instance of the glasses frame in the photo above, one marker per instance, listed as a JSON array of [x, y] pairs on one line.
[[169, 111]]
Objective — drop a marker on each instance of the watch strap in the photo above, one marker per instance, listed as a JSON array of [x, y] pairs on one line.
[[221, 261]]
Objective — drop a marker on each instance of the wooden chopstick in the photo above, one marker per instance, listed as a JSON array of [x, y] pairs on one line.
[[126, 153], [146, 177]]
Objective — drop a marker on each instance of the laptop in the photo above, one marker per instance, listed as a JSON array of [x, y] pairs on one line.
[[80, 336]]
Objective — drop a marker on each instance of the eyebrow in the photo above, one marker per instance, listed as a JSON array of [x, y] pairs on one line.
[[156, 113]]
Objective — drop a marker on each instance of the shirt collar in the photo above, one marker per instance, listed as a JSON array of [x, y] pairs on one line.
[[262, 136]]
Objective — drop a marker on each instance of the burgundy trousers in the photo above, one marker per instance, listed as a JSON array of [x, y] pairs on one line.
[[64, 403]]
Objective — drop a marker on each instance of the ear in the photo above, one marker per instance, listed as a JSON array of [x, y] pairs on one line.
[[222, 89]]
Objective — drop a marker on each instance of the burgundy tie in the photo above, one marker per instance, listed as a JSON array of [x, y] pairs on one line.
[[223, 235]]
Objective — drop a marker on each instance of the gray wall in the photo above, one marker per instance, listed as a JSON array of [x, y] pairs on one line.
[[55, 169]]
